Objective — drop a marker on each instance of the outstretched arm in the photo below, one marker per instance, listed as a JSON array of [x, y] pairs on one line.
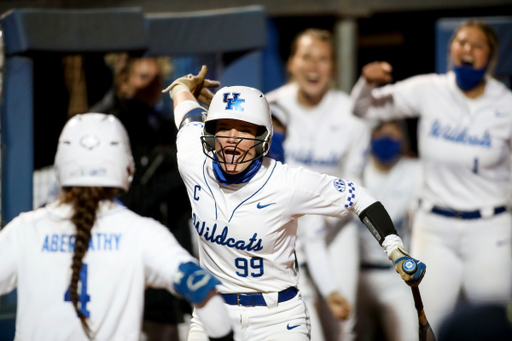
[[321, 194], [394, 101], [197, 286]]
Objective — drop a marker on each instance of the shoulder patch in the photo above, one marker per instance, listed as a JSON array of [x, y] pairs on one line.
[[339, 185]]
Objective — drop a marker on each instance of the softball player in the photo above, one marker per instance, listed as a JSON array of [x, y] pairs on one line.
[[393, 179], [81, 265], [463, 229], [245, 209], [323, 136]]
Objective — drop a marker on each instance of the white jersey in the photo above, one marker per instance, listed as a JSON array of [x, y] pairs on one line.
[[247, 231], [126, 254], [465, 144], [396, 190], [326, 138]]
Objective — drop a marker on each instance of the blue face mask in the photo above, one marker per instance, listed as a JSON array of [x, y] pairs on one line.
[[468, 77], [386, 149]]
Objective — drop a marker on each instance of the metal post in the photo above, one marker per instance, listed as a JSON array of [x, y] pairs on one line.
[[346, 53]]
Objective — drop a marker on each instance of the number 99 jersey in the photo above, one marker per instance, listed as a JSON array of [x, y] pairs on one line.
[[247, 231]]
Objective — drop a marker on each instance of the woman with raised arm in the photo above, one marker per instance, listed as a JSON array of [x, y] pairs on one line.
[[245, 208], [81, 264], [463, 228], [322, 135]]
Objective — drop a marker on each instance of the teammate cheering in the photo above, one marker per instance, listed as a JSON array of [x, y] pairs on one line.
[[88, 255], [465, 140], [245, 209], [322, 136]]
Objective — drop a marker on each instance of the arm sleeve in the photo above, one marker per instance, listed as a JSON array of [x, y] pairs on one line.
[[312, 232], [214, 317], [8, 261], [162, 256], [394, 101]]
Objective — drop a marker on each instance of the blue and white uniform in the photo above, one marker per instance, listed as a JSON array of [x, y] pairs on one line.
[[463, 226], [327, 139], [247, 234], [126, 254]]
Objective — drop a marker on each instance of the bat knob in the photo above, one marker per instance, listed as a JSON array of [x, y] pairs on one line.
[[409, 266]]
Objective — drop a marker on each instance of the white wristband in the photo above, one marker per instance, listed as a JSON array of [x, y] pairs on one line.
[[391, 243], [177, 89]]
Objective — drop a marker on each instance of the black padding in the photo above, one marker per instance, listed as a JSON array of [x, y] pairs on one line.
[[226, 30], [55, 30], [228, 337], [377, 220]]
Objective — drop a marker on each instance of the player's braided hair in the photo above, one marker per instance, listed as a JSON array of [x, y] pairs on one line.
[[85, 202]]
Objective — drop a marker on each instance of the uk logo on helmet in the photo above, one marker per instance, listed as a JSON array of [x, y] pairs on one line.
[[233, 103]]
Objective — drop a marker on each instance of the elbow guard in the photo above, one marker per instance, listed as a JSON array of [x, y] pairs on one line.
[[193, 283], [377, 221], [194, 115]]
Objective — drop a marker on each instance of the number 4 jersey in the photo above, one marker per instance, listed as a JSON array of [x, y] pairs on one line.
[[247, 231], [126, 254]]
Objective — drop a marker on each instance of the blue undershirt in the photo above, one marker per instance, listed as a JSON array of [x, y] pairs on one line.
[[229, 179]]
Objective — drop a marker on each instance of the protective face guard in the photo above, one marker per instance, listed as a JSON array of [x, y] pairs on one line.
[[209, 141]]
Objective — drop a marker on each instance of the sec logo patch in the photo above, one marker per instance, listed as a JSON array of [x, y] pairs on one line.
[[339, 185]]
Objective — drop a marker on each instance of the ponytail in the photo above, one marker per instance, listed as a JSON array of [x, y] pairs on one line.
[[85, 202]]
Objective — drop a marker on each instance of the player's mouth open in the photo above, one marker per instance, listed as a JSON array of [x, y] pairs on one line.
[[232, 155], [312, 78], [467, 61]]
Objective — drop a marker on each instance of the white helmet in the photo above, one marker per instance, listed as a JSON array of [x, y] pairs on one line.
[[244, 104], [94, 150]]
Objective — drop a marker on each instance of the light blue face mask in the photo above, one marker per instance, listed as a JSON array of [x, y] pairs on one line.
[[468, 77], [386, 149]]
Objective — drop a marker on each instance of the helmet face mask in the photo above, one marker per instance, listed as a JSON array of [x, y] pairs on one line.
[[94, 151], [213, 154], [241, 104]]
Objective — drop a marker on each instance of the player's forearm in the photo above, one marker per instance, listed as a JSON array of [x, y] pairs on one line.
[[375, 217], [366, 104], [214, 317], [319, 265], [379, 223], [182, 96]]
